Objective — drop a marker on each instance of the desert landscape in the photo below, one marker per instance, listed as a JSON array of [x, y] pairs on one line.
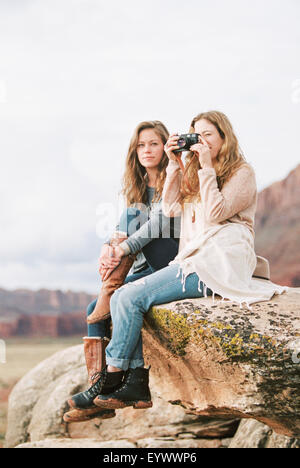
[[36, 324]]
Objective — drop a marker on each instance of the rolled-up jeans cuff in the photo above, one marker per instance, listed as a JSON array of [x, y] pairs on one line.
[[125, 364]]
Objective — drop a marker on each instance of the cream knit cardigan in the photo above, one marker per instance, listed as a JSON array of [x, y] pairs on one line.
[[219, 244]]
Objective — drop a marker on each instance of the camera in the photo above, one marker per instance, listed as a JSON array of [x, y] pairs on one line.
[[186, 140]]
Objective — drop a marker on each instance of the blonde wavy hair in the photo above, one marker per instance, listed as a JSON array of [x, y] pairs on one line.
[[229, 159], [134, 187]]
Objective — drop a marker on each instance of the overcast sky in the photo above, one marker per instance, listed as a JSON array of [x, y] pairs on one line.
[[76, 77]]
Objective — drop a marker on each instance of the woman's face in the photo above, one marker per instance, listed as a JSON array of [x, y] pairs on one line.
[[150, 148], [210, 134]]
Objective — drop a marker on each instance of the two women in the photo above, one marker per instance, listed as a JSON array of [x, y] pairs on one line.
[[216, 198], [144, 240]]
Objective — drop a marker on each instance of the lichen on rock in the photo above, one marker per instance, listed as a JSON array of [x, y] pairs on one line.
[[211, 360], [229, 361], [174, 329]]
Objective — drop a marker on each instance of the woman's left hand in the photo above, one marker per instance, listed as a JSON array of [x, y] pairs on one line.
[[203, 152], [105, 272]]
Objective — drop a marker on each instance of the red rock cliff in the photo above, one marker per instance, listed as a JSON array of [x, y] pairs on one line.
[[42, 313], [278, 228]]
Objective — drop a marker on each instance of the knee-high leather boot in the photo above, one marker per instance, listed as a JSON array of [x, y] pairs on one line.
[[94, 351], [113, 282]]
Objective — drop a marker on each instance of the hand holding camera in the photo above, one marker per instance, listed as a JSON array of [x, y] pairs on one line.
[[171, 146], [201, 149], [176, 144]]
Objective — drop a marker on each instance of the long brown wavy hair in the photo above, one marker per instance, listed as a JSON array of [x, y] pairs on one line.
[[229, 159], [135, 176]]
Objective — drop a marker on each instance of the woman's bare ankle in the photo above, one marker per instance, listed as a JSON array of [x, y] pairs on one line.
[[113, 369]]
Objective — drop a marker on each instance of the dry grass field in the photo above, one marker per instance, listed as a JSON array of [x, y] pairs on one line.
[[21, 356]]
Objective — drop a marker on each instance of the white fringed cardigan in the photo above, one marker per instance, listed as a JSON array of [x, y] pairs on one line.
[[219, 244]]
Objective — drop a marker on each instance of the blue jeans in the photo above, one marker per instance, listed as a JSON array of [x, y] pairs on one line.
[[102, 328], [158, 253], [129, 304]]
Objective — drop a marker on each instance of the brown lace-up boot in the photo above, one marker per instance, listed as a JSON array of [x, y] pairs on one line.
[[94, 351], [113, 282], [133, 391]]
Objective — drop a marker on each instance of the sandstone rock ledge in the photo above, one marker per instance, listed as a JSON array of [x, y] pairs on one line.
[[218, 360], [38, 401], [212, 364]]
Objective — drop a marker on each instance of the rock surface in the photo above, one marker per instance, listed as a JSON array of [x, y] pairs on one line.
[[150, 442], [219, 360], [38, 402], [209, 360], [250, 434], [253, 434], [78, 443]]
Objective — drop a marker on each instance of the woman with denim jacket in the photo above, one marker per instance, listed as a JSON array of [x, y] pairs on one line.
[[144, 241]]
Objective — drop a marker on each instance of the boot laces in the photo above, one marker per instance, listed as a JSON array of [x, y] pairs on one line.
[[95, 377], [96, 388], [125, 382]]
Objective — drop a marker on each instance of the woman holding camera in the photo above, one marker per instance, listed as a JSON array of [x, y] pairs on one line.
[[216, 198], [144, 241]]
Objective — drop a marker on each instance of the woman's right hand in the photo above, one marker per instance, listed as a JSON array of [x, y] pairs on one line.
[[171, 145], [108, 260]]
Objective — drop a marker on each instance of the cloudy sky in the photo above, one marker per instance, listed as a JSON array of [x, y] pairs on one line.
[[76, 76]]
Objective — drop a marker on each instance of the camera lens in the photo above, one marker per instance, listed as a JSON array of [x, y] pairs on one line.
[[181, 142]]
